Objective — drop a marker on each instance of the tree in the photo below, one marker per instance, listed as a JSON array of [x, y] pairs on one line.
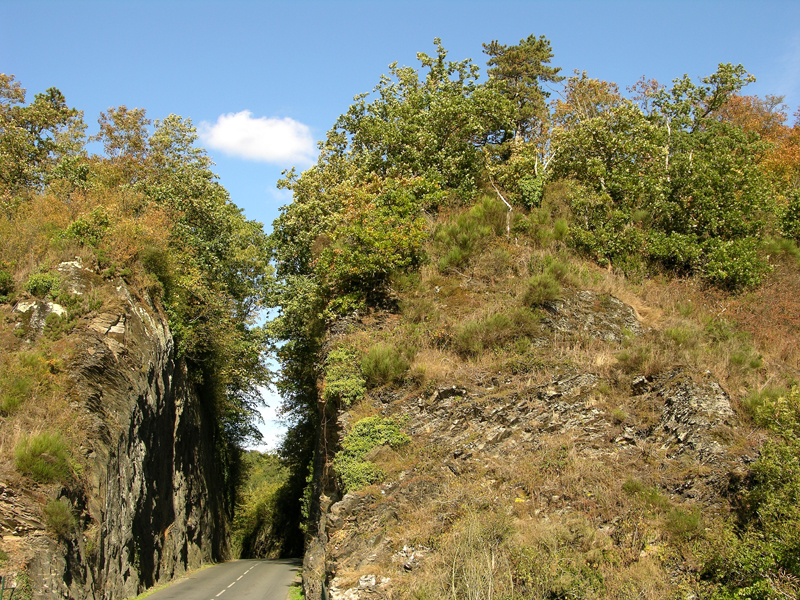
[[584, 98], [432, 128], [34, 137], [520, 72]]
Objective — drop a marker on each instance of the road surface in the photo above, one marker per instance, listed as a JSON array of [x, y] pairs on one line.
[[235, 580]]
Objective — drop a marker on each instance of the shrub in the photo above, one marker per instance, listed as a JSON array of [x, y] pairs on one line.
[[89, 230], [383, 364], [777, 409], [470, 232], [58, 518], [56, 326], [343, 380], [790, 217], [20, 376], [41, 284], [473, 337], [684, 525], [43, 457], [619, 416], [759, 557], [354, 470], [540, 289], [733, 264], [6, 285]]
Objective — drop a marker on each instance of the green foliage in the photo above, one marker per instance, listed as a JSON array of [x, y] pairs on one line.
[[43, 457], [296, 592], [777, 409], [343, 380], [433, 129], [59, 518], [474, 337], [733, 264], [531, 189], [541, 288], [354, 470], [470, 232], [519, 72], [790, 217], [57, 326], [40, 284], [34, 136], [384, 363], [89, 230], [759, 557], [675, 187], [22, 375], [6, 285], [258, 517]]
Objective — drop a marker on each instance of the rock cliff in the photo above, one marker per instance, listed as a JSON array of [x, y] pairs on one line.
[[144, 497]]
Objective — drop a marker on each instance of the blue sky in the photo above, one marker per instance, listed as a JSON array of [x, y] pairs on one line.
[[295, 66]]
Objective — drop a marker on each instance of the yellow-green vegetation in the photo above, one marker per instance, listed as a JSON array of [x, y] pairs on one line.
[[44, 457], [384, 363], [257, 522], [351, 463], [296, 591], [343, 380], [59, 518]]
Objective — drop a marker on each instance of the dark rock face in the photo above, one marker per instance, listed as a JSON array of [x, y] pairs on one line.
[[148, 511]]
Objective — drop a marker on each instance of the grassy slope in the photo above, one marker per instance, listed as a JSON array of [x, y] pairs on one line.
[[562, 516]]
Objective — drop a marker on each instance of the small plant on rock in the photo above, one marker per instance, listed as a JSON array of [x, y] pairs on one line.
[[58, 518], [354, 470]]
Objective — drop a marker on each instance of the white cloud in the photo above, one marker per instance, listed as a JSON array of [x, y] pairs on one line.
[[284, 142]]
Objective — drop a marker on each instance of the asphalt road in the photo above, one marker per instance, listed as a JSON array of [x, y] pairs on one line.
[[236, 580]]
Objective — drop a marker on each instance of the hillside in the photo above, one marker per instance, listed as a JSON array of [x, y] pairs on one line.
[[545, 349]]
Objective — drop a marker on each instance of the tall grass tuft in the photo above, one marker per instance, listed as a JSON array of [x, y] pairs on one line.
[[43, 457]]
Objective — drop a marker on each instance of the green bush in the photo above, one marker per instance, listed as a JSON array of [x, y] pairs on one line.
[[343, 380], [790, 217], [58, 518], [733, 264], [776, 408], [89, 230], [470, 232], [42, 284], [759, 557], [21, 375], [383, 364], [56, 326], [473, 337], [6, 285], [354, 470], [541, 288], [43, 457]]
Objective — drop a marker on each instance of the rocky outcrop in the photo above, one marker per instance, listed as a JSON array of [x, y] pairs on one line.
[[149, 506], [480, 435]]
